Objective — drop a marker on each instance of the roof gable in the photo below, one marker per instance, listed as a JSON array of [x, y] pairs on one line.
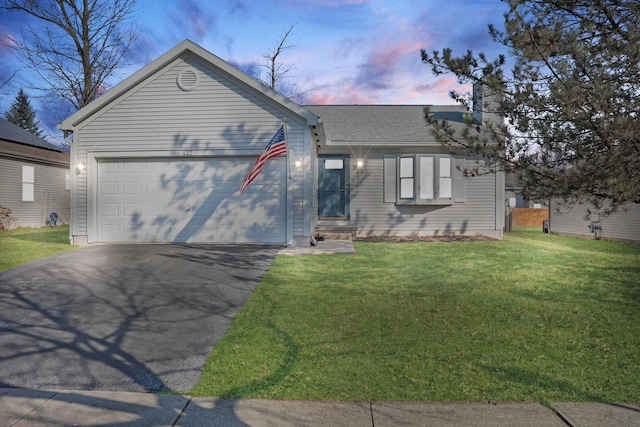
[[186, 48]]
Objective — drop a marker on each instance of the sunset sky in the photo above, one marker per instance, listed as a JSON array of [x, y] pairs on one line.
[[344, 51]]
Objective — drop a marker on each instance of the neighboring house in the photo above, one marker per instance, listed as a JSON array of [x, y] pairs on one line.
[[34, 176], [522, 212], [165, 151], [515, 196], [584, 220]]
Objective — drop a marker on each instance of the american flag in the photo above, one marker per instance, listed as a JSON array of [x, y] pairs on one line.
[[276, 147]]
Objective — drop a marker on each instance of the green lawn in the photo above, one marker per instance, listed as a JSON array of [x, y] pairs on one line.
[[535, 317], [24, 245]]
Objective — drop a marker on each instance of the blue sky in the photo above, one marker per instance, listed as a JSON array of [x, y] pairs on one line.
[[345, 51]]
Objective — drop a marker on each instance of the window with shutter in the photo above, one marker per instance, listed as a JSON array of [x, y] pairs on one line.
[[424, 179]]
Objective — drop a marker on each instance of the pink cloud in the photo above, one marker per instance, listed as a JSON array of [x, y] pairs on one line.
[[380, 69], [6, 42], [340, 94], [439, 89], [193, 19]]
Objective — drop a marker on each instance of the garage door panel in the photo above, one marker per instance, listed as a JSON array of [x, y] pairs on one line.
[[153, 187], [110, 209], [108, 168], [155, 210], [131, 167], [190, 201], [129, 188], [109, 187], [131, 209]]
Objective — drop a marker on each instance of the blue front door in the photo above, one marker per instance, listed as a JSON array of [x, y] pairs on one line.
[[333, 187]]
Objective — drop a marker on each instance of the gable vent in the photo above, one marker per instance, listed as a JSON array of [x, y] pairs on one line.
[[188, 80]]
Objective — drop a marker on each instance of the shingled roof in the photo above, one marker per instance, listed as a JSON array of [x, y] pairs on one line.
[[381, 124], [14, 133]]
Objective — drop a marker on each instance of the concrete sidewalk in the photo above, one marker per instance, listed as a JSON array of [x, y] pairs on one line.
[[324, 247], [21, 407]]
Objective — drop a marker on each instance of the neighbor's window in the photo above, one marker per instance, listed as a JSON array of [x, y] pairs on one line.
[[28, 183]]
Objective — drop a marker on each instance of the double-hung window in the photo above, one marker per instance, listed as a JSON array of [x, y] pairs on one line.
[[423, 179], [444, 178], [407, 178]]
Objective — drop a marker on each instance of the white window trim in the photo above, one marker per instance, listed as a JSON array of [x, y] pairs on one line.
[[28, 183], [430, 184], [406, 177]]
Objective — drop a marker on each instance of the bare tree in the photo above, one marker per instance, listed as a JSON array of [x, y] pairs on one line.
[[278, 70], [77, 44], [6, 81]]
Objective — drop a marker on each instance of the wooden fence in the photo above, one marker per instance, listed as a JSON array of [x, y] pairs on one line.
[[528, 217]]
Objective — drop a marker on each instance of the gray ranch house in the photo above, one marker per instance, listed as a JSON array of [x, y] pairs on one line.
[[34, 178], [584, 220], [161, 158]]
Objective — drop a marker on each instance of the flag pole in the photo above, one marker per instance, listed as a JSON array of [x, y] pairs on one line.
[[286, 141]]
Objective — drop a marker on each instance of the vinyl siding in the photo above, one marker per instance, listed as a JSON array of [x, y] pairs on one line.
[[49, 193], [158, 115], [618, 226], [217, 118], [477, 214]]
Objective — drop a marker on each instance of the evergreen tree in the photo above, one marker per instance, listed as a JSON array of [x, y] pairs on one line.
[[22, 114], [571, 100]]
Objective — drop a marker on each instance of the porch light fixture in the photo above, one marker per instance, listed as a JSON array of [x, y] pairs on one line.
[[359, 163], [298, 164], [82, 166]]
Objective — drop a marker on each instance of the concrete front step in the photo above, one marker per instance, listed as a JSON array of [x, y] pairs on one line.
[[336, 232]]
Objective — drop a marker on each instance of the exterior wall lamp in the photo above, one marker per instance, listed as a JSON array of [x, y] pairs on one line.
[[82, 166]]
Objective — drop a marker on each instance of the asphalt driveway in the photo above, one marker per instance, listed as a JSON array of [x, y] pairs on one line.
[[122, 317]]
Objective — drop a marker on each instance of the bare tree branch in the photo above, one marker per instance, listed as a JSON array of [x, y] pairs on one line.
[[278, 70], [81, 44]]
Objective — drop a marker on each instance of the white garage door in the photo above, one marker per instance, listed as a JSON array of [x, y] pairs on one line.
[[192, 200]]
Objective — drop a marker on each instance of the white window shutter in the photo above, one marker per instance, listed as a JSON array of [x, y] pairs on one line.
[[459, 180]]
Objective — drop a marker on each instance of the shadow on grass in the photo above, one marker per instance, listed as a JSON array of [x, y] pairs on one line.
[[618, 285], [545, 383], [286, 365]]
